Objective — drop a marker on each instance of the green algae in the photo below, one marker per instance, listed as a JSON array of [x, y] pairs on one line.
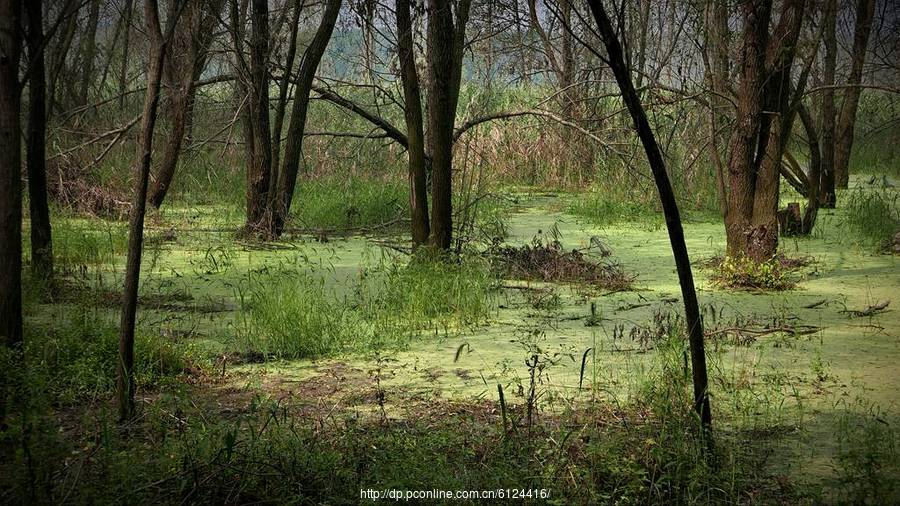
[[795, 380]]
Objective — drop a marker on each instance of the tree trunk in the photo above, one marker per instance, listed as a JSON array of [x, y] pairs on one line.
[[10, 176], [184, 68], [751, 225], [827, 111], [418, 193], [126, 41], [283, 87], [865, 12], [441, 116], [741, 169], [815, 170], [89, 51], [259, 173], [287, 176], [39, 211], [670, 210], [125, 372]]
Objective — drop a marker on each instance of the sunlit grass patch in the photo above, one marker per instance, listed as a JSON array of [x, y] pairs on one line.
[[293, 313], [342, 203]]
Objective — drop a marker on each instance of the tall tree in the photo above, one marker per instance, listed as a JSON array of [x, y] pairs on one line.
[[445, 41], [10, 175], [622, 73], [865, 13], [35, 158], [418, 196], [757, 144], [125, 371]]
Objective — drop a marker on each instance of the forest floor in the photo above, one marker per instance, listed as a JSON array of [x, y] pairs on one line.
[[797, 368]]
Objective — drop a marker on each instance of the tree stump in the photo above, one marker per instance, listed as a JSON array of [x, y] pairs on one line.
[[790, 222]]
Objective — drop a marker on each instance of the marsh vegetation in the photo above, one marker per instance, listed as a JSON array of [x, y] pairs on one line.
[[444, 246]]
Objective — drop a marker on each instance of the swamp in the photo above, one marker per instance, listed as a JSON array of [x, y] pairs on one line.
[[451, 251]]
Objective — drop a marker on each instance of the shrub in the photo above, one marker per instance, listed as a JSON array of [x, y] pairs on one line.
[[744, 272]]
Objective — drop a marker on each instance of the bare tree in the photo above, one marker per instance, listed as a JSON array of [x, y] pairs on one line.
[[622, 73], [158, 46]]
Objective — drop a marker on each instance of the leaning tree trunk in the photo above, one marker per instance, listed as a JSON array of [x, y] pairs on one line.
[[670, 210], [287, 176], [865, 12], [10, 177], [35, 159], [188, 60], [125, 373], [828, 113], [418, 193]]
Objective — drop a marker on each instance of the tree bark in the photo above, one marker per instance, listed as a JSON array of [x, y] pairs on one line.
[[865, 12], [10, 177], [815, 170], [39, 210], [827, 104], [418, 193], [125, 372], [287, 176], [670, 210]]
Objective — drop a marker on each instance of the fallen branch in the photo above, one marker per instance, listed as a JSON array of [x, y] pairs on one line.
[[869, 310]]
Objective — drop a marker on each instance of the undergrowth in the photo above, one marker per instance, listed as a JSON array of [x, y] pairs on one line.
[[872, 218], [294, 313]]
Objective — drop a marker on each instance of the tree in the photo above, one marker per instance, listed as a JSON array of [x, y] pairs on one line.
[[445, 41], [622, 73], [286, 179], [10, 175], [761, 127], [418, 196], [190, 47], [158, 42], [35, 158], [865, 13]]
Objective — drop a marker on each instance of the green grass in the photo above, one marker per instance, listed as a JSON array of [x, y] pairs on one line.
[[342, 203], [871, 218], [292, 313]]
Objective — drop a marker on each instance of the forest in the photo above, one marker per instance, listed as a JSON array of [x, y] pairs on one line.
[[450, 251]]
